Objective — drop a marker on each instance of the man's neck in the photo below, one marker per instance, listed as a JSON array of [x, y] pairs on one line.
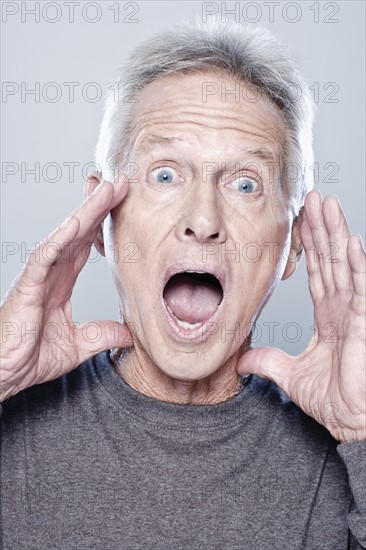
[[148, 379]]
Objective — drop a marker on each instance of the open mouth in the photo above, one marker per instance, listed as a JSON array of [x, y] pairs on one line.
[[192, 298]]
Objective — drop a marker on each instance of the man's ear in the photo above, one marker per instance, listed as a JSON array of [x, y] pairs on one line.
[[296, 247], [91, 182]]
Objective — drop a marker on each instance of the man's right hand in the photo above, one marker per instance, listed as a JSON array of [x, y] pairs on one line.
[[39, 340]]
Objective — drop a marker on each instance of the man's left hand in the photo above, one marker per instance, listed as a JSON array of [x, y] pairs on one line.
[[328, 380]]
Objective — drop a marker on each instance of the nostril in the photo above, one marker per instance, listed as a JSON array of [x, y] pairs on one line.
[[189, 232]]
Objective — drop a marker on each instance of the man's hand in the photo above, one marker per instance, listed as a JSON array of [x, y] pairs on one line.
[[327, 380], [39, 340]]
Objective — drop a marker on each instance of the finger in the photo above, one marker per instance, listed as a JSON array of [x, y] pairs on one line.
[[271, 363], [96, 206], [314, 214], [357, 262], [339, 234], [66, 242], [78, 224], [120, 190], [312, 261], [91, 214], [75, 234], [42, 257], [98, 336]]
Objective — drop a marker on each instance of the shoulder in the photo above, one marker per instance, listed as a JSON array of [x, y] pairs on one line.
[[50, 398], [287, 420]]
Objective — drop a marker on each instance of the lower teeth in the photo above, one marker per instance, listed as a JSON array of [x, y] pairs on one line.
[[183, 324]]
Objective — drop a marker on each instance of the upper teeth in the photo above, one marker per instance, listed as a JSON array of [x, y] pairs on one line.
[[195, 271]]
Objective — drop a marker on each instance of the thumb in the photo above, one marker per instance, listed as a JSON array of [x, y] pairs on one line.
[[97, 336], [271, 363]]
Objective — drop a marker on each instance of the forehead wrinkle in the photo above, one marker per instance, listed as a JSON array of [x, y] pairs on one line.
[[213, 120], [149, 141], [261, 120], [273, 134]]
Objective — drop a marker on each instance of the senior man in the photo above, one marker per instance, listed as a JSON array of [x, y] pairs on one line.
[[166, 430]]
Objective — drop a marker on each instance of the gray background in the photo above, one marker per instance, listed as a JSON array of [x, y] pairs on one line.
[[327, 42]]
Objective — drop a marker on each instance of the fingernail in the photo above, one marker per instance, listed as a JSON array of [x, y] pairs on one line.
[[97, 188], [66, 222]]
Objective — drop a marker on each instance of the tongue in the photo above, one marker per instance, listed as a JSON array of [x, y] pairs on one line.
[[192, 301]]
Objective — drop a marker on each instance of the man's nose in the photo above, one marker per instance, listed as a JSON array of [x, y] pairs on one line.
[[201, 219]]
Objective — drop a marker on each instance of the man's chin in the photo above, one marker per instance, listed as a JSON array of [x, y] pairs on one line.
[[191, 366], [182, 358]]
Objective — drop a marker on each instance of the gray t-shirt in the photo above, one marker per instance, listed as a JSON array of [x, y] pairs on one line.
[[89, 463]]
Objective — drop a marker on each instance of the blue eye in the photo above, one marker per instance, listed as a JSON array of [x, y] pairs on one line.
[[246, 185], [164, 174]]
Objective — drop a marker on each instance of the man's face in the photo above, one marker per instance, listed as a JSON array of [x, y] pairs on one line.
[[206, 196]]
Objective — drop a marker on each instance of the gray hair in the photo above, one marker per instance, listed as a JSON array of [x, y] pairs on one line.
[[249, 53]]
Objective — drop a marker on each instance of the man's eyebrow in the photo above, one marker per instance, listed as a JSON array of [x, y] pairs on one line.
[[260, 152], [156, 140]]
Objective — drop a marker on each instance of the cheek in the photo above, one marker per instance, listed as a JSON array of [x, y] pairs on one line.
[[127, 221], [132, 230], [259, 225], [261, 243]]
